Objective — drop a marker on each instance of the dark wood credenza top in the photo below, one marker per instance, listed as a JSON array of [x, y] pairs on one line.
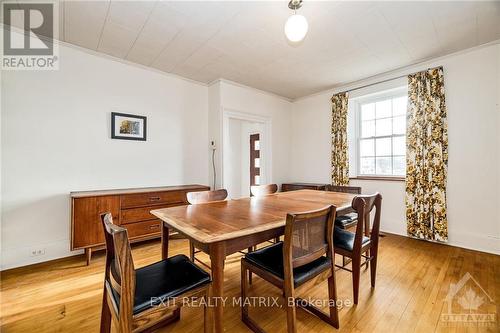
[[305, 184], [85, 194]]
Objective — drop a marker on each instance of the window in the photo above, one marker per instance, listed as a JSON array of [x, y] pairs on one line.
[[381, 135]]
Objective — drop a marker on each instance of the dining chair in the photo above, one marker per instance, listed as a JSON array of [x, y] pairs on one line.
[[263, 190], [363, 244], [303, 259], [349, 219], [202, 197], [143, 299]]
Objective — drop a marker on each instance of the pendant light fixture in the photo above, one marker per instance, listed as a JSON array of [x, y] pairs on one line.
[[296, 26]]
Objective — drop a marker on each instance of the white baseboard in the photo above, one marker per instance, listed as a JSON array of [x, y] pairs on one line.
[[21, 256], [482, 243]]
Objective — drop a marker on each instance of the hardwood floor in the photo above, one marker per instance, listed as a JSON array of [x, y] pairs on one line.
[[413, 279]]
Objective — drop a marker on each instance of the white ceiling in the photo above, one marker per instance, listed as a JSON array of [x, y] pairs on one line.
[[244, 41]]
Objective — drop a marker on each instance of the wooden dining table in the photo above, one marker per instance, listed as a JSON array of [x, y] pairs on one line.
[[225, 227]]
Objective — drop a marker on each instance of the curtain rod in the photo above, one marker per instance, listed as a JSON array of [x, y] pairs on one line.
[[384, 81]]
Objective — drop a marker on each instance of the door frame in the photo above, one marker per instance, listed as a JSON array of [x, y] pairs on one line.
[[266, 138]]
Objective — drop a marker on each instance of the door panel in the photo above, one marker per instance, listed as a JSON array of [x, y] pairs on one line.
[[255, 159]]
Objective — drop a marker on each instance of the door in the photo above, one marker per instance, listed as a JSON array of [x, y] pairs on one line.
[[254, 159]]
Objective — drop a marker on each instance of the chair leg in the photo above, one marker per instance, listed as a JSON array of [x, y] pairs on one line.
[[367, 253], [356, 270], [191, 251], [244, 306], [332, 294], [250, 249], [277, 240], [207, 328], [291, 315], [373, 264], [105, 315]]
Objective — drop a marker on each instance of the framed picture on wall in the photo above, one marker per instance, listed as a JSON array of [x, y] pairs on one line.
[[128, 126]]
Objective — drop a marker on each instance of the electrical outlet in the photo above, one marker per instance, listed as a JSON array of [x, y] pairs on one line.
[[37, 252], [212, 144]]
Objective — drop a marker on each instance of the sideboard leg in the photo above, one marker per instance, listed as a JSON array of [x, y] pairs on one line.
[[88, 254]]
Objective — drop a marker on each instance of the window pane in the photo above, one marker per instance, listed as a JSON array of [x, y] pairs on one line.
[[399, 106], [368, 111], [384, 147], [399, 125], [384, 127], [367, 166], [367, 148], [383, 109], [399, 145], [384, 166], [257, 162], [257, 180], [368, 129], [399, 165], [257, 145]]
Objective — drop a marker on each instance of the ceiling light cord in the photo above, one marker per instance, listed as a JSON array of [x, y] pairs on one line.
[[213, 166]]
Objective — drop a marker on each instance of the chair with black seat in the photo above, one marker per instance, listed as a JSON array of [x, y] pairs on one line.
[[349, 219], [143, 299], [263, 190], [303, 259], [364, 240]]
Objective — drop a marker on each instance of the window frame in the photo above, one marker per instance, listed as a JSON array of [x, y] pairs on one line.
[[374, 98]]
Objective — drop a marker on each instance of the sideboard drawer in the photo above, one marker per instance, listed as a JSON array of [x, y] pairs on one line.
[[152, 198], [132, 215], [143, 228]]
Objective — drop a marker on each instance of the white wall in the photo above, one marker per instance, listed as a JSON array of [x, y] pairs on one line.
[[215, 134], [56, 139], [251, 101], [472, 83]]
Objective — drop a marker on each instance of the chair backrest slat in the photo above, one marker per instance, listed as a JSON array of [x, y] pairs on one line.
[[260, 190], [308, 236], [206, 196]]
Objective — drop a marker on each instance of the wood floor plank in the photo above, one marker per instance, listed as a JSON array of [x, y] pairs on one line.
[[413, 279]]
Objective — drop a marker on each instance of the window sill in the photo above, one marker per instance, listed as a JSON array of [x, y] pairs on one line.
[[381, 178]]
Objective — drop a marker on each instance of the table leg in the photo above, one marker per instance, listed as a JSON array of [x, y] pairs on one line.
[[217, 258], [164, 241]]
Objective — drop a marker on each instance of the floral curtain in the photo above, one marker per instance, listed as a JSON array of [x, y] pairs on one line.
[[340, 158], [426, 156]]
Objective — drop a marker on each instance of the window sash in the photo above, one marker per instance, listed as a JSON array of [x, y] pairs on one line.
[[359, 138]]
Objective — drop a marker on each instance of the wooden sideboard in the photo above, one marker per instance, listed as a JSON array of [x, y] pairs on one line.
[[302, 186], [130, 209]]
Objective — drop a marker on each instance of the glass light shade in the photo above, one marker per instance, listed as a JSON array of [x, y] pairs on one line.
[[296, 28]]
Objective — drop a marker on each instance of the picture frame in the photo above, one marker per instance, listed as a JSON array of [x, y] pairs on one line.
[[126, 126]]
